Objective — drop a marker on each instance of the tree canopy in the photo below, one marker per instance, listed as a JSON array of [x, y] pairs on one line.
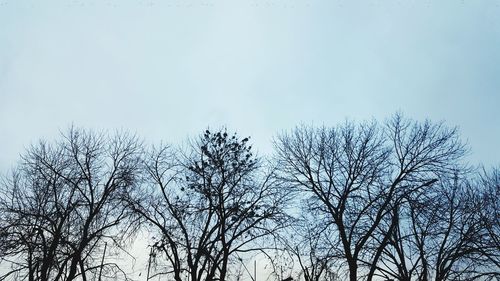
[[393, 200]]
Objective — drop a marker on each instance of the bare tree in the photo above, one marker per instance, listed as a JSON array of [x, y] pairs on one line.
[[356, 201], [305, 249], [442, 234], [311, 246], [207, 204], [358, 175], [63, 203], [491, 209]]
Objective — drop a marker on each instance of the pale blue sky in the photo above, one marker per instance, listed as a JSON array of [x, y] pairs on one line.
[[168, 69]]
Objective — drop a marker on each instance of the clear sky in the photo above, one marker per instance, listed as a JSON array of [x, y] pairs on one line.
[[168, 69]]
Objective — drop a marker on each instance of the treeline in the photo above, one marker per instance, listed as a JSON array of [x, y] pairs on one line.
[[358, 201]]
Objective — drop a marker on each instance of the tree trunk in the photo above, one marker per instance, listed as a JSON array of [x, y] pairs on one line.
[[353, 270]]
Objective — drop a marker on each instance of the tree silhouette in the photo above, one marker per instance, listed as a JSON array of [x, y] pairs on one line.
[[208, 203], [442, 234], [358, 174], [358, 201], [63, 203]]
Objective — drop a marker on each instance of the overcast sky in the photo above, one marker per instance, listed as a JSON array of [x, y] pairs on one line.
[[168, 69]]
